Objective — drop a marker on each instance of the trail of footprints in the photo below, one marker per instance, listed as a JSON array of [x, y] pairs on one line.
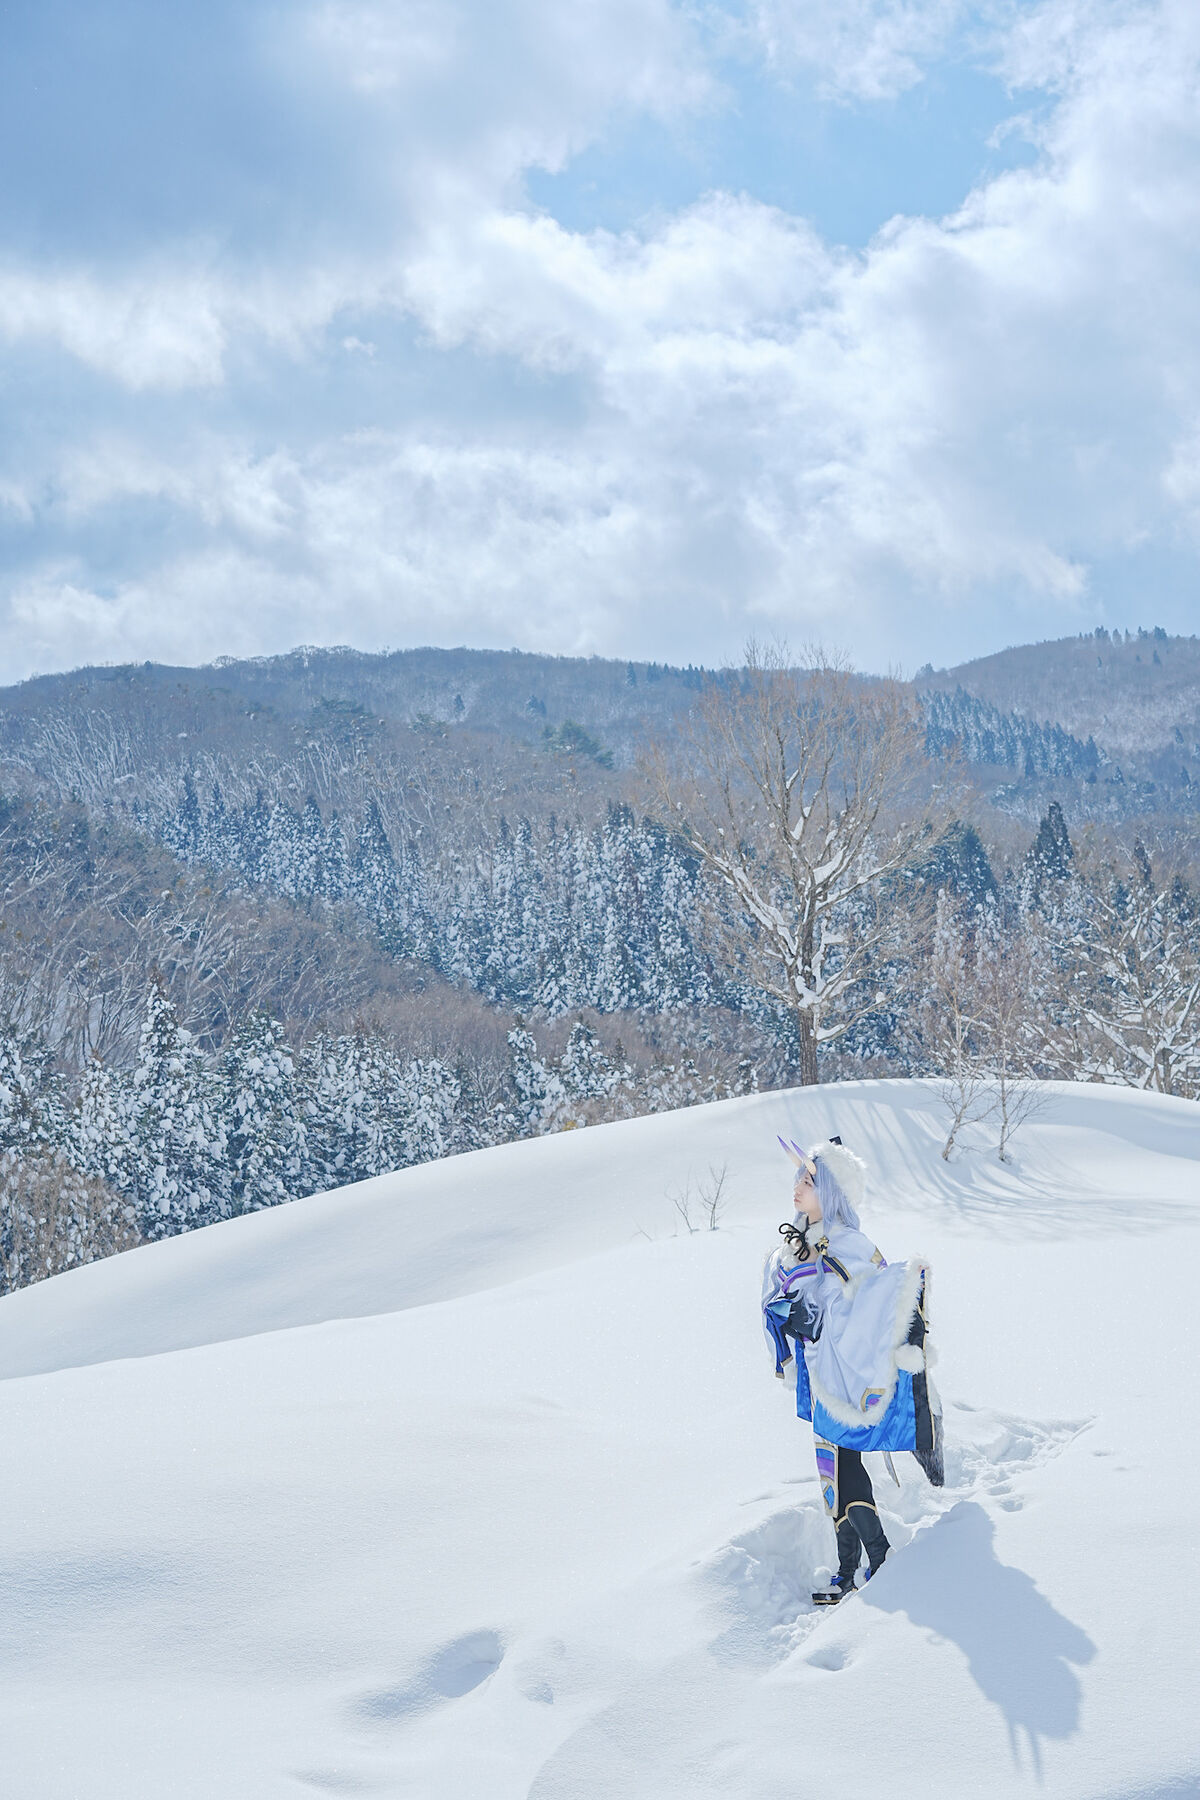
[[769, 1572], [762, 1580]]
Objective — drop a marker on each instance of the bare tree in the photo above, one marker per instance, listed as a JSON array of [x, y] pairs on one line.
[[683, 1200], [712, 1194], [802, 790], [951, 1024], [988, 995], [705, 1199], [1009, 1005], [53, 1218], [1128, 940]]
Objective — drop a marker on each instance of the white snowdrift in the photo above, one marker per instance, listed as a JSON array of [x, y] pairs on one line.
[[475, 1481]]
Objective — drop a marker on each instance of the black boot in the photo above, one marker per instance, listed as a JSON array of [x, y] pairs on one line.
[[865, 1522], [839, 1587], [849, 1554]]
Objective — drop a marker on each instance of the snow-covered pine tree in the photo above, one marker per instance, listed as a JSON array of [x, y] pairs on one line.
[[182, 831], [958, 865], [310, 852], [30, 1104], [263, 1138], [283, 852], [252, 842], [345, 1084], [335, 863], [1050, 857], [537, 1087], [98, 1138], [177, 1160], [373, 882], [585, 1069], [417, 935], [624, 925], [214, 846], [430, 1112]]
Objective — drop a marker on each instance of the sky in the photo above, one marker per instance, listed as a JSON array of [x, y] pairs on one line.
[[622, 327]]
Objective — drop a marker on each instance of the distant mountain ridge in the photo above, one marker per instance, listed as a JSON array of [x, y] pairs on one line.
[[525, 695], [1107, 722], [1136, 693]]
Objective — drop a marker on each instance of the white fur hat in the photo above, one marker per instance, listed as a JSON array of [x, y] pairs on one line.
[[848, 1170]]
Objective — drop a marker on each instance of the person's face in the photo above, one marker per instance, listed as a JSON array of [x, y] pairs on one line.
[[804, 1196]]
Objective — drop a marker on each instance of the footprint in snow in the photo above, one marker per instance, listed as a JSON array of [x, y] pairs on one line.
[[766, 1576], [336, 1781], [987, 1451], [457, 1668]]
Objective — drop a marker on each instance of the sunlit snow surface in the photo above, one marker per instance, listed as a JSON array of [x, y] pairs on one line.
[[474, 1483]]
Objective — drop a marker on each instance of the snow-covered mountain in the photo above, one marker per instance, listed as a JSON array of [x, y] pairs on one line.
[[473, 1483]]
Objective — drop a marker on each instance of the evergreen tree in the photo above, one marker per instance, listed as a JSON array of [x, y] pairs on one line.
[[1050, 856], [263, 1147], [346, 1085], [430, 1111], [310, 852], [538, 1089], [373, 883], [98, 1135], [958, 864], [177, 1148], [282, 868], [254, 841], [335, 863], [182, 831], [214, 846], [586, 1070], [30, 1097]]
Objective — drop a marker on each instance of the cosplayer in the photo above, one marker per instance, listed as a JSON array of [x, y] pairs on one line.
[[860, 1329]]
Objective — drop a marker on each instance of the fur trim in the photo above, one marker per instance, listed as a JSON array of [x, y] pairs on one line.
[[838, 1409], [848, 1170], [909, 1358]]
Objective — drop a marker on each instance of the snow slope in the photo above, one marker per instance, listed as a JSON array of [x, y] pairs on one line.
[[474, 1481]]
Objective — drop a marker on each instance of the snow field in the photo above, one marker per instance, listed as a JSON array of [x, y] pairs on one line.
[[475, 1481]]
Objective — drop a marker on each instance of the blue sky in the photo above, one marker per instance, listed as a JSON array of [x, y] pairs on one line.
[[631, 328]]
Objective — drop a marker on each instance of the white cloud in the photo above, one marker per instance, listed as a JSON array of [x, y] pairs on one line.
[[166, 327], [985, 401], [857, 49], [448, 105], [143, 331], [726, 423]]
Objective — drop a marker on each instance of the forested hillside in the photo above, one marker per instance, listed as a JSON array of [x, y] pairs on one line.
[[1137, 694], [272, 925]]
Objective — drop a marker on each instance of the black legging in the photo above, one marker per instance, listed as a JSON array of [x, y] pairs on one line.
[[850, 1502]]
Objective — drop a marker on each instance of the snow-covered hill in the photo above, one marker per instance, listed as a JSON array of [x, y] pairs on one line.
[[474, 1482]]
